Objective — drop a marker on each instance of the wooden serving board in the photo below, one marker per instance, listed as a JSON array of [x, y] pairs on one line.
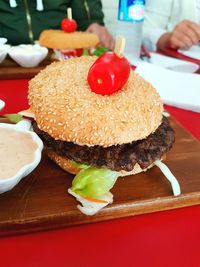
[[10, 70], [40, 201]]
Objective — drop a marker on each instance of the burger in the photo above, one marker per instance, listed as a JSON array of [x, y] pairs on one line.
[[97, 137], [68, 44]]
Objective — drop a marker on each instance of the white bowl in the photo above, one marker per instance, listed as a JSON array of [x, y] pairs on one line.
[[22, 126], [28, 56], [4, 49], [3, 40]]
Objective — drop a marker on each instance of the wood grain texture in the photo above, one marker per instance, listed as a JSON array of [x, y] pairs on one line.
[[10, 70], [40, 201]]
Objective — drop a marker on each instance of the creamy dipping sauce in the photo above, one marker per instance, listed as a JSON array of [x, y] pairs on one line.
[[16, 150]]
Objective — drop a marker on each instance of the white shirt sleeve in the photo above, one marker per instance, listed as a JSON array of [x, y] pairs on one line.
[[157, 16], [152, 37], [198, 10]]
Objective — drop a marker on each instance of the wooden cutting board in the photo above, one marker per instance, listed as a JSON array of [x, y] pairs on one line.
[[40, 201], [10, 70]]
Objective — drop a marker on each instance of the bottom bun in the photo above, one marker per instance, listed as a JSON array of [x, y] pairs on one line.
[[65, 164], [137, 169]]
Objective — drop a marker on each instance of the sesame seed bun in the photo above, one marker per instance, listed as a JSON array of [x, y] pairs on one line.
[[64, 163], [67, 109], [57, 39]]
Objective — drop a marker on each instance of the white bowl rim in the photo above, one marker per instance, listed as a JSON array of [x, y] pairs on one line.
[[36, 48], [5, 47], [28, 60], [37, 153], [3, 40]]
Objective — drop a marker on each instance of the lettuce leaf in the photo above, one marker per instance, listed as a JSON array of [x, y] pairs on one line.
[[15, 118], [79, 165], [94, 182], [85, 52], [99, 51]]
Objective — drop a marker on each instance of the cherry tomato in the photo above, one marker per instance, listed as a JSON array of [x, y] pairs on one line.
[[108, 74], [79, 52], [74, 53], [68, 25]]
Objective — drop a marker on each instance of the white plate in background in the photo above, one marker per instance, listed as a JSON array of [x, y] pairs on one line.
[[193, 52], [173, 63]]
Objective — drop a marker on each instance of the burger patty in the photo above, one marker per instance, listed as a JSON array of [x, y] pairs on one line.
[[117, 158]]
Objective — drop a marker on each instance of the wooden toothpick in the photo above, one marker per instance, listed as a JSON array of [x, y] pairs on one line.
[[69, 13], [119, 46]]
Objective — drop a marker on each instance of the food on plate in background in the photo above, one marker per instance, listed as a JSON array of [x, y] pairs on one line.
[[68, 42], [68, 24], [66, 45], [98, 137], [19, 29]]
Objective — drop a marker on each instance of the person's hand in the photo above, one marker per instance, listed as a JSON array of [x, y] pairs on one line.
[[105, 37], [184, 35]]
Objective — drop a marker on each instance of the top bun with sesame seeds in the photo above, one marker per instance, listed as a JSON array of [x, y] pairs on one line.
[[65, 107], [124, 132]]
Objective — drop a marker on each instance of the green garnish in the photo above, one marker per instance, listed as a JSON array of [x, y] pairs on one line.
[[94, 182], [85, 52], [79, 165], [99, 51], [15, 118]]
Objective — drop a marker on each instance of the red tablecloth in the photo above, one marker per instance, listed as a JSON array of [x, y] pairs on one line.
[[170, 238]]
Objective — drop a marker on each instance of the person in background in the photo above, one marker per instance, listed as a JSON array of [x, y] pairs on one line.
[[110, 10], [22, 21], [171, 23]]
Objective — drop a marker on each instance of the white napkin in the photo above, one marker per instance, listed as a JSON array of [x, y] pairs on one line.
[[175, 88], [193, 52], [173, 63]]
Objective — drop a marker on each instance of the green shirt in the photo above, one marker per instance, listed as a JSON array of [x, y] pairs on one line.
[[23, 24]]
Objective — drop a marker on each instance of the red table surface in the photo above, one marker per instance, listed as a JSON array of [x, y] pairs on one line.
[[169, 238]]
